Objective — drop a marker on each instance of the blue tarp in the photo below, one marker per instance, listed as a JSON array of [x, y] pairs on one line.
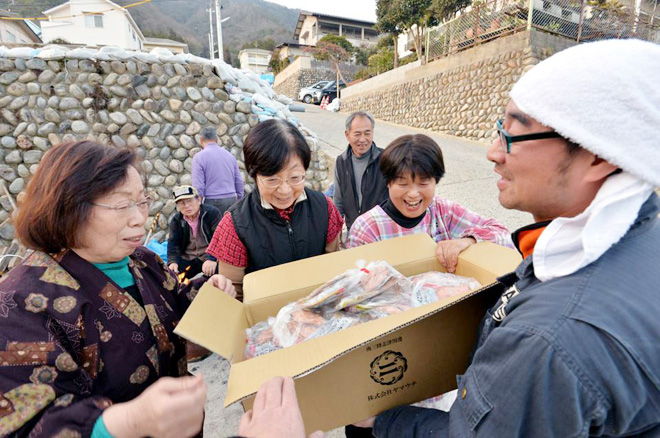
[[270, 78], [158, 248]]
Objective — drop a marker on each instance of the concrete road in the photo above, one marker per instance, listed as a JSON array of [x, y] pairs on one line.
[[469, 181], [469, 178]]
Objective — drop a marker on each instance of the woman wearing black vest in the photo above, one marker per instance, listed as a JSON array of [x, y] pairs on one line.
[[282, 220]]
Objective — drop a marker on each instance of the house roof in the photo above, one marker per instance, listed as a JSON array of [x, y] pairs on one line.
[[164, 42], [256, 51], [349, 21], [28, 27], [114, 6], [294, 45]]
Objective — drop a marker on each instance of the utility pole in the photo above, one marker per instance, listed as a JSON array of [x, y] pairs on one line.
[[218, 23], [211, 48]]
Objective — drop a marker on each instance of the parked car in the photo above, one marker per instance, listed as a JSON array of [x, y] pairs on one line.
[[307, 94], [329, 90]]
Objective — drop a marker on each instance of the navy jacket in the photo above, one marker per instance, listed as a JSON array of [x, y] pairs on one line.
[[575, 356], [180, 232]]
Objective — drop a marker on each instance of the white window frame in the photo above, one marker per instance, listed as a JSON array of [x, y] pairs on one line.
[[94, 21]]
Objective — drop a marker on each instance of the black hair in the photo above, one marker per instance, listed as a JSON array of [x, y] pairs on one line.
[[271, 144], [417, 154], [572, 147], [209, 134]]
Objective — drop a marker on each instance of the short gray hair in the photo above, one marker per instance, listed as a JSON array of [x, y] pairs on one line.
[[209, 134], [349, 120]]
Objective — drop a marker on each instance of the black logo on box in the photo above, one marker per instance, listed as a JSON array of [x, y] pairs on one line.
[[388, 368]]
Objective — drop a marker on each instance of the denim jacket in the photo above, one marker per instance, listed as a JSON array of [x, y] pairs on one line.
[[575, 356]]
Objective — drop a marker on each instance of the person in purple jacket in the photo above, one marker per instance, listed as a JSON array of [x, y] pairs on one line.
[[215, 173]]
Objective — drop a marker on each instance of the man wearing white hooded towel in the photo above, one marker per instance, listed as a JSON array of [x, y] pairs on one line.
[[572, 349]]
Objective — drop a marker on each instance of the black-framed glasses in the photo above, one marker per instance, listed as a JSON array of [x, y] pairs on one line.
[[506, 139], [127, 207]]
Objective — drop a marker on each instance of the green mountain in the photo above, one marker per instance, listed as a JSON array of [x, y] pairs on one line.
[[253, 23], [249, 21]]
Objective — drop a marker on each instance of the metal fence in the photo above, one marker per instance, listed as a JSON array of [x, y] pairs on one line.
[[572, 19]]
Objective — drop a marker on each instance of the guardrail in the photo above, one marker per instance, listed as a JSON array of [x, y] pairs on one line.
[[572, 19]]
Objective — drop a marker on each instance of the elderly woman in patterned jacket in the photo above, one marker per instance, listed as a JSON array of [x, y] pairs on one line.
[[86, 322]]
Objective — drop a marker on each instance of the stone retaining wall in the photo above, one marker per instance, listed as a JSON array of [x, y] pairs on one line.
[[461, 95], [156, 108], [303, 78], [305, 72]]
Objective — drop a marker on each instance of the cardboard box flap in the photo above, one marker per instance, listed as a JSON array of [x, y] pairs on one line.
[[215, 321], [287, 277], [246, 377], [486, 260], [267, 290]]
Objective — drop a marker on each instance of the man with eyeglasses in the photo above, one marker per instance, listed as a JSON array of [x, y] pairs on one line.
[[191, 230], [572, 347]]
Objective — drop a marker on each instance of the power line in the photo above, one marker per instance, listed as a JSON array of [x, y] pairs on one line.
[[75, 15], [45, 3], [48, 4]]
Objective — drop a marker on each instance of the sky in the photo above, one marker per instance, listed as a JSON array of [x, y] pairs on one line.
[[356, 9]]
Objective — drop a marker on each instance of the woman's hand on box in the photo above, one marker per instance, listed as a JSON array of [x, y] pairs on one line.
[[447, 251], [275, 413], [209, 267], [224, 284]]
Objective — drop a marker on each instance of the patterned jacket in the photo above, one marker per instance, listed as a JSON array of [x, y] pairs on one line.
[[72, 342]]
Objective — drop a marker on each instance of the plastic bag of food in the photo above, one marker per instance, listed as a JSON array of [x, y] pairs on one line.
[[433, 286], [356, 286], [259, 339], [342, 302], [294, 324]]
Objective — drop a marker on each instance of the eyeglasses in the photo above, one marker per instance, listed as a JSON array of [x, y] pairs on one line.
[[506, 139], [273, 182], [126, 207]]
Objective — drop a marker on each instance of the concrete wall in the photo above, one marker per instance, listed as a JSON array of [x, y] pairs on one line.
[[463, 94], [158, 109]]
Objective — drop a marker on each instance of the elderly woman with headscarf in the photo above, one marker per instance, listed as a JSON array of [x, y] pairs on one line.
[[86, 321], [282, 220]]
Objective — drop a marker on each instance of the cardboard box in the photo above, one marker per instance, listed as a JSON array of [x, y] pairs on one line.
[[358, 372]]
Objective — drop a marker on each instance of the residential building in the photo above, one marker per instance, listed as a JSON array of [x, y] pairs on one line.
[[256, 60], [290, 51], [17, 31], [173, 46], [92, 22], [311, 27], [405, 45]]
